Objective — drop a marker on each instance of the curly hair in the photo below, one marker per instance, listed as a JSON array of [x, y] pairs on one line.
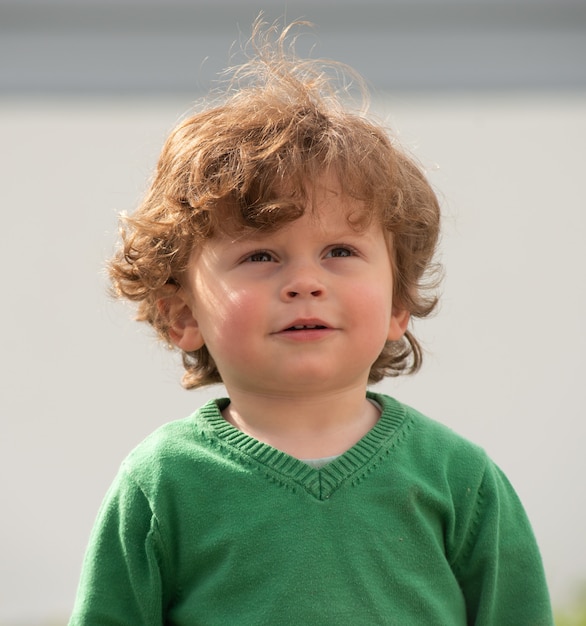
[[244, 164]]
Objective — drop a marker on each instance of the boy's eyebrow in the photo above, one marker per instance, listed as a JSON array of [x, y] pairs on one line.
[[260, 237], [243, 237]]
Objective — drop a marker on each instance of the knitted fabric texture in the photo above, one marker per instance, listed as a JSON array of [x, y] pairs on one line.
[[412, 525]]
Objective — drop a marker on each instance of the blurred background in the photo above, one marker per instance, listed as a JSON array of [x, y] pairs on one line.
[[489, 95]]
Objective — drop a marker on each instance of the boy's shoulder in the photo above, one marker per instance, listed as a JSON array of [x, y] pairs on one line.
[[170, 456], [184, 437], [425, 431], [429, 446]]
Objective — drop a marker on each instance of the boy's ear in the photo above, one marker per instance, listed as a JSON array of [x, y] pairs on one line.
[[398, 326], [183, 328]]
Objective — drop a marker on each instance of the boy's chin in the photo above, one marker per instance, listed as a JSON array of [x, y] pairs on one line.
[[307, 385]]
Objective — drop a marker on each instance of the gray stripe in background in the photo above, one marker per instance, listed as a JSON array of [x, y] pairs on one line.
[[151, 47]]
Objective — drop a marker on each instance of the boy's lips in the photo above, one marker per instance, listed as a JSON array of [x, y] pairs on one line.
[[306, 324], [306, 329]]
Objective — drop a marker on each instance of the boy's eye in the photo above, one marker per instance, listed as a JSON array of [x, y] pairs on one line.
[[260, 257], [340, 251]]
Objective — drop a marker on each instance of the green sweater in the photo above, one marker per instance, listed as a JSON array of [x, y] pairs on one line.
[[411, 526]]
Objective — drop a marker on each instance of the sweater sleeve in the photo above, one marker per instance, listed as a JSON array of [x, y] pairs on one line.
[[499, 567], [121, 580]]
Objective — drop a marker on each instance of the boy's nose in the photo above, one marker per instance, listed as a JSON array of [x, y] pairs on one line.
[[303, 283], [316, 293]]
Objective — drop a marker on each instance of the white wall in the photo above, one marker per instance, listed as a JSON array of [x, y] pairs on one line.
[[81, 383]]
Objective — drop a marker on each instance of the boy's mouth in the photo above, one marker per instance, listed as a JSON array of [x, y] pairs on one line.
[[306, 327]]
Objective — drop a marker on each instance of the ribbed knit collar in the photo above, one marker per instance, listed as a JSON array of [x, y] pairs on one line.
[[321, 483]]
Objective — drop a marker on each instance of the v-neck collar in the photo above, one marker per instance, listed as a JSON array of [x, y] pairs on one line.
[[320, 483]]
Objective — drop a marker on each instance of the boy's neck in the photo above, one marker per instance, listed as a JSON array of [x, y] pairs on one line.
[[304, 427]]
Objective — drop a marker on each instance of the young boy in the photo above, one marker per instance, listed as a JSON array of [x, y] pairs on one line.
[[283, 247]]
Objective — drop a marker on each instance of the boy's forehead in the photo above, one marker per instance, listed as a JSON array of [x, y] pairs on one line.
[[325, 220], [321, 201]]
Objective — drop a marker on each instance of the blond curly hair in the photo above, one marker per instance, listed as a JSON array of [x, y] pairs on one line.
[[281, 124]]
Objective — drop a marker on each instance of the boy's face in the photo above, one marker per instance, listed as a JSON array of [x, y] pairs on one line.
[[307, 308]]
